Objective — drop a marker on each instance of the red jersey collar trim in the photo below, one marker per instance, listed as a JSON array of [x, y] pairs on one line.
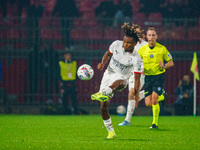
[[138, 72]]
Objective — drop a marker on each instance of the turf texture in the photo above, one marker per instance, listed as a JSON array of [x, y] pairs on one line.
[[22, 132]]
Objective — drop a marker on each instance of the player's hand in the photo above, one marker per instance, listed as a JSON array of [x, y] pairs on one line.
[[161, 65], [136, 103], [100, 66]]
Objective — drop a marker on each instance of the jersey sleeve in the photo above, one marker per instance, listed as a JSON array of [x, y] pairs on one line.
[[167, 55], [112, 47], [138, 65], [140, 53]]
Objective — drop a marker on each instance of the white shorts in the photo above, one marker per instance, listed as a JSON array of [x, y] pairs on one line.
[[131, 83], [109, 78]]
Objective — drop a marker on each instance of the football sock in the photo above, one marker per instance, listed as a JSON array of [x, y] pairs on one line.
[[161, 97], [108, 125], [107, 91], [142, 95], [130, 110], [156, 111]]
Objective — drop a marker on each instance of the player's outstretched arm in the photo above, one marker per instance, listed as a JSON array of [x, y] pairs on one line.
[[104, 61]]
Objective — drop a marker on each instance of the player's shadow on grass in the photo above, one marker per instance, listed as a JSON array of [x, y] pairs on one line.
[[137, 126], [159, 130], [147, 128]]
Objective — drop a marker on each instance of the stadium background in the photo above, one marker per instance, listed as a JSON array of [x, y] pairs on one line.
[[88, 42]]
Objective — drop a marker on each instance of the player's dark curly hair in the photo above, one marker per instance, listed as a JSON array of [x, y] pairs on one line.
[[131, 31], [141, 35]]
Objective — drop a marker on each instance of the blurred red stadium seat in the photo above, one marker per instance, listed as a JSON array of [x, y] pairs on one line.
[[155, 18], [86, 6], [135, 6], [44, 22], [95, 34], [177, 47], [78, 33], [49, 5], [55, 23], [163, 33], [139, 18], [57, 34], [178, 33], [193, 33], [58, 46], [85, 22], [3, 33], [12, 33], [111, 33], [46, 33]]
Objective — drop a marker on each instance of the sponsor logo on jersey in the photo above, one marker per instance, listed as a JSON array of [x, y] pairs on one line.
[[151, 56], [119, 65]]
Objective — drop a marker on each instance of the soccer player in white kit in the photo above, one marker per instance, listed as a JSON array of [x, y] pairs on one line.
[[123, 60]]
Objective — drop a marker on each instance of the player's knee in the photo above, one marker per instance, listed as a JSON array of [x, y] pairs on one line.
[[148, 104], [122, 84]]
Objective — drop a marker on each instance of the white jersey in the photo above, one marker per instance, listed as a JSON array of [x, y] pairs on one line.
[[139, 45], [123, 62], [132, 78]]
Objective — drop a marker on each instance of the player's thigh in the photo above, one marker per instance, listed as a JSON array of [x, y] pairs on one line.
[[131, 81], [119, 85], [109, 79], [148, 86], [105, 81], [158, 83]]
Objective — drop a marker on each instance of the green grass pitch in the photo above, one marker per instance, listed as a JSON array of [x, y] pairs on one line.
[[22, 132]]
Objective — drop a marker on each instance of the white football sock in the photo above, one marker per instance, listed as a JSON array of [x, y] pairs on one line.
[[107, 91], [141, 94], [108, 125], [130, 110]]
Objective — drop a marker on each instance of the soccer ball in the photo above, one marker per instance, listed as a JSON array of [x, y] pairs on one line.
[[121, 109], [85, 72]]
